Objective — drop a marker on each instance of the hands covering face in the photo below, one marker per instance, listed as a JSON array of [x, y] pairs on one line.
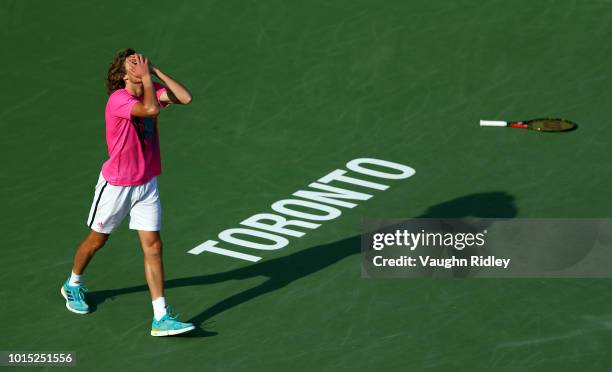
[[138, 66]]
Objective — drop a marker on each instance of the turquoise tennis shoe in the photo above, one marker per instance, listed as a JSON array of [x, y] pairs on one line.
[[75, 298], [169, 326]]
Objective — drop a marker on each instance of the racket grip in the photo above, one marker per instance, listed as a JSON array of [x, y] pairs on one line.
[[492, 123]]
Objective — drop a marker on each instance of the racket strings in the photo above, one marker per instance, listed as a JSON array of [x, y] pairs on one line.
[[552, 124]]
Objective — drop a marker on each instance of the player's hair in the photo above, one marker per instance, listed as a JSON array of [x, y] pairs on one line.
[[116, 71]]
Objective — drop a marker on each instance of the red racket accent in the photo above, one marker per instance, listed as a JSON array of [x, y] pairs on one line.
[[518, 125]]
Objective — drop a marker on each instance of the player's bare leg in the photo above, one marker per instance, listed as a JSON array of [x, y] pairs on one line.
[[154, 268], [73, 289], [164, 324], [87, 249]]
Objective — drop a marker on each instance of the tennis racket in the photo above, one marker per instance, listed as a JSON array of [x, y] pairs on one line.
[[542, 125]]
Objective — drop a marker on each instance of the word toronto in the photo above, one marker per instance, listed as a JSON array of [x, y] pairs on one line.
[[319, 202]]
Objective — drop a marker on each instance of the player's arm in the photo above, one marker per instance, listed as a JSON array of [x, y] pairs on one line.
[[149, 106], [175, 92]]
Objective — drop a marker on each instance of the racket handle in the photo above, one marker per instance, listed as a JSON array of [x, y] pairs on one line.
[[492, 123]]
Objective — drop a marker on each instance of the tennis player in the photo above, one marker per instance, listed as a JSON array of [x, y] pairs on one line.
[[127, 184]]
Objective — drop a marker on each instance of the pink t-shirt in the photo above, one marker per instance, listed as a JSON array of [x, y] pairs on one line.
[[133, 142]]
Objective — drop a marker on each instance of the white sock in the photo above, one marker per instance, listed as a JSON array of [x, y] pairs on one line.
[[159, 308], [75, 280]]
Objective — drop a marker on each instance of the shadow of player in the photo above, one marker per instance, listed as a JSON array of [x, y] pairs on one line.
[[283, 271]]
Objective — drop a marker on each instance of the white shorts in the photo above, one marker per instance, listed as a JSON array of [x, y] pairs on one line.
[[112, 203]]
